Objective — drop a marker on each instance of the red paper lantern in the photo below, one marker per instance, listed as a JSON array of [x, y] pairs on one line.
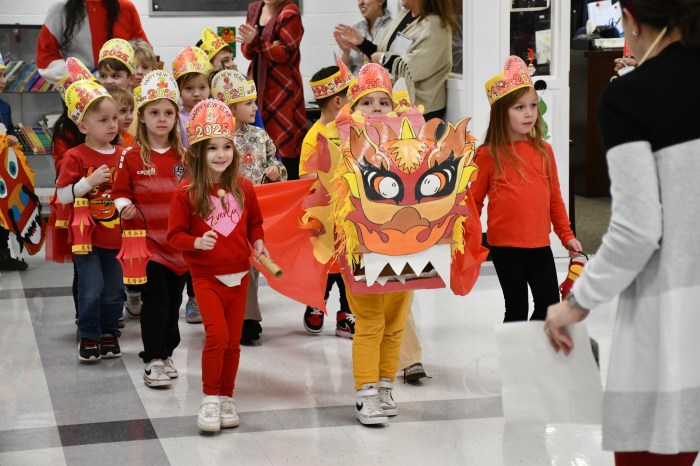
[[134, 256], [62, 214], [82, 226], [575, 269]]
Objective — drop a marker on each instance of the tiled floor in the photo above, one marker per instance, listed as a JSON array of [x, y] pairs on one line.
[[294, 391]]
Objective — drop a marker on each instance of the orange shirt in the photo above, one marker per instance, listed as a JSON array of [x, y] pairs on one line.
[[521, 210]]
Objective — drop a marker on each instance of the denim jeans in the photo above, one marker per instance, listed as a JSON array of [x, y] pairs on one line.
[[100, 293]]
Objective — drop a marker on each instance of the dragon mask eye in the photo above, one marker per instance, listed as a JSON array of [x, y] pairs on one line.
[[380, 184], [439, 181]]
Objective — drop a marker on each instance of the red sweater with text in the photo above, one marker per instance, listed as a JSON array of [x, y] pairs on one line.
[[236, 226], [81, 161], [151, 189], [521, 210]]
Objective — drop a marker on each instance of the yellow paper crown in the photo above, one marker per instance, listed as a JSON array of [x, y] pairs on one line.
[[209, 119], [157, 84], [191, 60], [76, 71], [515, 76], [120, 50], [211, 43], [230, 86], [80, 95], [372, 77], [334, 83]]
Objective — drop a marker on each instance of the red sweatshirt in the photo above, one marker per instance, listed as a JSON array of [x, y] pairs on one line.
[[151, 190], [80, 162], [521, 211], [236, 227]]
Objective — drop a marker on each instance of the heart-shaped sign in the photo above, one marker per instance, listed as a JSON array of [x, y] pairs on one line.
[[224, 220]]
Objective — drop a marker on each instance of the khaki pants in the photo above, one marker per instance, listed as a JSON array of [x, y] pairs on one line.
[[252, 307]]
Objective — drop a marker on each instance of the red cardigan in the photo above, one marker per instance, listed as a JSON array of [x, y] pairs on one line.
[[275, 56], [235, 227]]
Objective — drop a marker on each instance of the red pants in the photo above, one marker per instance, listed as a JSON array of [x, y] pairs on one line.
[[222, 310], [644, 458]]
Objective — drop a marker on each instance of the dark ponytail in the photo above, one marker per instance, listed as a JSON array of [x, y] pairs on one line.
[[74, 13], [681, 14], [688, 21]]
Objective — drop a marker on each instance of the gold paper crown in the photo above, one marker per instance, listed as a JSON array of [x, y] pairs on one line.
[[157, 84], [334, 83], [515, 76], [209, 119], [80, 95], [76, 71], [2, 63], [120, 50], [211, 43], [372, 77], [230, 86], [191, 60]]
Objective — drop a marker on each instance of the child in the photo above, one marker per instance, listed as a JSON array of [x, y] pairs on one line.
[[329, 86], [125, 114], [218, 51], [147, 178], [88, 171], [117, 63], [145, 60], [191, 69], [7, 262], [258, 164], [518, 172], [214, 216]]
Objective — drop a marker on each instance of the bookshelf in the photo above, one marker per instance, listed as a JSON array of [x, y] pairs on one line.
[[30, 102]]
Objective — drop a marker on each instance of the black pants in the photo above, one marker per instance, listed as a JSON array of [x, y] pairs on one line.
[[338, 280], [436, 114], [4, 238], [292, 166], [519, 267], [161, 296], [190, 287]]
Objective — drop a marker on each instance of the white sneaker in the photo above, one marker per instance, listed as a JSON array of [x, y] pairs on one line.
[[386, 401], [132, 307], [154, 374], [169, 368], [227, 411], [209, 419], [367, 406]]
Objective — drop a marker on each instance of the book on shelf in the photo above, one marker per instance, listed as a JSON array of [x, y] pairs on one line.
[[35, 139], [23, 77]]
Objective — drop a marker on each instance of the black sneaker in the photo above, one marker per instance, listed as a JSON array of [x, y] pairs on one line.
[[313, 320], [345, 324], [250, 332], [7, 262], [109, 347], [89, 350]]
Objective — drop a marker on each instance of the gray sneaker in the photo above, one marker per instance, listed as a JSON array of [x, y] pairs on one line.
[[386, 401], [192, 314], [368, 407]]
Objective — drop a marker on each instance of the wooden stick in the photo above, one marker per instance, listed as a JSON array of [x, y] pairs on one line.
[[271, 267]]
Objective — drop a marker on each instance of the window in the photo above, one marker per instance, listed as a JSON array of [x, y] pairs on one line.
[[531, 34]]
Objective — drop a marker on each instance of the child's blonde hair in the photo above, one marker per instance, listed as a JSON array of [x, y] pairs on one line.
[[121, 96], [201, 183], [498, 135], [143, 52], [174, 139]]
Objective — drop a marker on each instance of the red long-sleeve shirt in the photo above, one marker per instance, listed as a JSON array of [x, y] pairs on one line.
[[236, 227], [521, 210], [151, 190]]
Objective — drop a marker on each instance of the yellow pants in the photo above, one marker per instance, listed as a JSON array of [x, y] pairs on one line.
[[411, 351], [379, 322]]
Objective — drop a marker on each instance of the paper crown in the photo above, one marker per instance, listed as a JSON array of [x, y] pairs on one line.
[[515, 76], [76, 72], [209, 119], [334, 83], [211, 43], [2, 63], [372, 77], [191, 60], [80, 95], [120, 50], [157, 84], [230, 86]]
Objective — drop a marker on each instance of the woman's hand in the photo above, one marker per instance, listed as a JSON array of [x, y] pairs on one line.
[[246, 33], [344, 45], [272, 173], [128, 212], [376, 56], [260, 249], [349, 34], [574, 247], [560, 316], [623, 62], [207, 241]]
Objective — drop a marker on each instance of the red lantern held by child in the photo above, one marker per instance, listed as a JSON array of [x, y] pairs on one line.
[[82, 226], [134, 254], [575, 269]]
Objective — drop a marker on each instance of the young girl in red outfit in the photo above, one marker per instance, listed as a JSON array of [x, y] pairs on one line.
[[147, 178], [214, 217], [518, 173]]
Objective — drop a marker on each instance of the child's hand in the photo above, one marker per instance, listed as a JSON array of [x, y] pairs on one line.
[[207, 241], [260, 248], [128, 212], [574, 247], [99, 176], [12, 141], [272, 173]]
